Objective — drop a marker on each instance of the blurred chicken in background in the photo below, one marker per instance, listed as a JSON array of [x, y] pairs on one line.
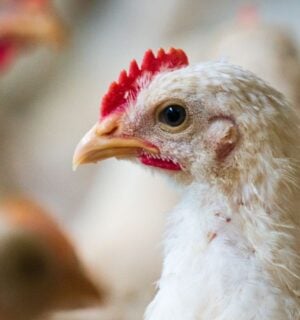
[[267, 49], [24, 25], [27, 23], [39, 269]]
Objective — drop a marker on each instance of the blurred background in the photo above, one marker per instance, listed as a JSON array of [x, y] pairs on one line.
[[49, 98]]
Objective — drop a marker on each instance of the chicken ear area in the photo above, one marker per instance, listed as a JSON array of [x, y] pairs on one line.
[[222, 137]]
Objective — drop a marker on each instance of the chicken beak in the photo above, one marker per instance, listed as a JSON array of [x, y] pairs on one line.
[[105, 140]]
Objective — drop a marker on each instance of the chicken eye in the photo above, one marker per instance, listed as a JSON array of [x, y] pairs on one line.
[[173, 115]]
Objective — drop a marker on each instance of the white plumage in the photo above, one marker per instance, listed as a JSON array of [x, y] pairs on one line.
[[231, 249], [231, 245]]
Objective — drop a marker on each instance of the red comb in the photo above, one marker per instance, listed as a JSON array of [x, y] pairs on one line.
[[128, 85]]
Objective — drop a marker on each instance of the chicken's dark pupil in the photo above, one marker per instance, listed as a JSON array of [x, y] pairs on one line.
[[173, 115]]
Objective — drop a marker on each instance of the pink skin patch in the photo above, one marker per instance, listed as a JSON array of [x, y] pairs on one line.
[[211, 236], [158, 162]]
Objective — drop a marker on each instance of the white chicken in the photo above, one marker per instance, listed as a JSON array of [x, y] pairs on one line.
[[231, 142]]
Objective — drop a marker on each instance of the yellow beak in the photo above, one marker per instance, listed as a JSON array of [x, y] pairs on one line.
[[105, 140]]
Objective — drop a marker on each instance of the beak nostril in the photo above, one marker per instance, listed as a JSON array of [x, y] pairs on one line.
[[110, 132], [108, 127], [106, 131]]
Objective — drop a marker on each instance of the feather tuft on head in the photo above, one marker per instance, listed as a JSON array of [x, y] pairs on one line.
[[126, 89]]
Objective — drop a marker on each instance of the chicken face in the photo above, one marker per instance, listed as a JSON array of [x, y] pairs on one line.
[[164, 116], [194, 123]]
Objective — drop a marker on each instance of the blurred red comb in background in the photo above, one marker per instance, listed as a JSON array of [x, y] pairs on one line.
[[248, 14]]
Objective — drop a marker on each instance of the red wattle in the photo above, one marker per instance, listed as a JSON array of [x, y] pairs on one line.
[[160, 163]]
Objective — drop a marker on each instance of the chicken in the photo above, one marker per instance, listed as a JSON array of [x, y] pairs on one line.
[[39, 270], [266, 49], [230, 141], [24, 23]]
